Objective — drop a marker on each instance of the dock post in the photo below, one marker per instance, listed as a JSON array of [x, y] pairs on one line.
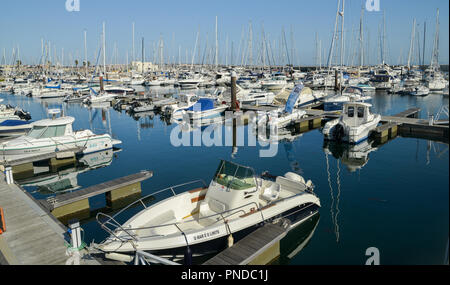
[[8, 174], [75, 234], [233, 91]]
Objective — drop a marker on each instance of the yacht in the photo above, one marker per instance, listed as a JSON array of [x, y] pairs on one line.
[[354, 125], [54, 135], [236, 202]]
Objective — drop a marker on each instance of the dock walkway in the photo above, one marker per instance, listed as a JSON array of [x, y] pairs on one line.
[[252, 246], [33, 236]]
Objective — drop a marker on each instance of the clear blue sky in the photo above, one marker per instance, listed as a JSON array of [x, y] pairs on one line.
[[24, 22]]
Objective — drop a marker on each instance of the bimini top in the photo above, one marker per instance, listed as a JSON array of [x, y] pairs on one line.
[[203, 104], [54, 122]]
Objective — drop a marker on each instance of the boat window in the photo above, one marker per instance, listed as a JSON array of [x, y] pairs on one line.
[[360, 112], [36, 132], [54, 131], [351, 111], [234, 177]]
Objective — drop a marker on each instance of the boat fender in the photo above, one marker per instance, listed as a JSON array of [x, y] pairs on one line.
[[230, 240]]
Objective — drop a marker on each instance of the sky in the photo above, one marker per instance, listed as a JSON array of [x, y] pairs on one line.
[[24, 24]]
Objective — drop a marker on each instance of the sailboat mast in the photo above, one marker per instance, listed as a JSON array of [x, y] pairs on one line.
[[217, 47], [104, 50]]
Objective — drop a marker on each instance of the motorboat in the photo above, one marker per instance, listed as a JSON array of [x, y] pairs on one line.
[[236, 202], [204, 108], [13, 121], [351, 93], [366, 88], [306, 97], [139, 106], [185, 101], [274, 83], [100, 97], [354, 125], [54, 135], [420, 90], [282, 118]]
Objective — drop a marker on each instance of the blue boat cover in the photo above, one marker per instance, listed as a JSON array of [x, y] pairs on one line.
[[293, 98], [203, 104], [12, 123]]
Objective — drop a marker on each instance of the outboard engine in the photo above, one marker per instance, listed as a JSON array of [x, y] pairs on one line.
[[338, 132], [23, 115]]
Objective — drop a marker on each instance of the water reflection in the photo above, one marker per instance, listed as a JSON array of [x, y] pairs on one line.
[[47, 180], [296, 240], [354, 157]]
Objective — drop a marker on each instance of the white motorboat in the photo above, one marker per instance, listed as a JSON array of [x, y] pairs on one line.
[[138, 107], [354, 125], [275, 83], [284, 117], [54, 135], [185, 101], [236, 202], [306, 97], [420, 90], [351, 93], [203, 109], [100, 97]]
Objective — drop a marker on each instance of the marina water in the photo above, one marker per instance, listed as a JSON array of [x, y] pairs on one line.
[[395, 201]]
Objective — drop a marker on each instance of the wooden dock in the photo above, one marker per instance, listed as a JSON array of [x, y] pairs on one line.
[[77, 201], [33, 236], [254, 249]]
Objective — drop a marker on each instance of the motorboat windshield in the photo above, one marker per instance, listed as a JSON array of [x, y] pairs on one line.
[[41, 132], [234, 177]]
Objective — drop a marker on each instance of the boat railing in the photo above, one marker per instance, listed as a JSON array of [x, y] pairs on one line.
[[127, 231], [112, 220]]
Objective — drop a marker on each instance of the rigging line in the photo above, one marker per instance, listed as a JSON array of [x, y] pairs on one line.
[[331, 189], [338, 179]]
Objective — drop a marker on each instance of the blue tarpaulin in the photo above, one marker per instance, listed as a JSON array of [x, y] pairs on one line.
[[203, 104], [293, 98]]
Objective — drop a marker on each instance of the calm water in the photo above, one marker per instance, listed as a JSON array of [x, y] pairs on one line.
[[395, 200]]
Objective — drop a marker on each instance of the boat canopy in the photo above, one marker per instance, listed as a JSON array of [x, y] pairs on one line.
[[293, 97], [203, 104], [234, 176]]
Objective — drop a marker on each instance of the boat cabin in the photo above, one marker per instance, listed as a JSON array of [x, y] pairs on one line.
[[50, 128], [356, 113]]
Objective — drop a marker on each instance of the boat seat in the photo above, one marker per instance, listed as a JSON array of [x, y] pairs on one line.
[[165, 218], [210, 208], [289, 185], [271, 191]]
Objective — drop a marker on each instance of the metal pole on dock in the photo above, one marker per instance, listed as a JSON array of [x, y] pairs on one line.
[[233, 92]]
